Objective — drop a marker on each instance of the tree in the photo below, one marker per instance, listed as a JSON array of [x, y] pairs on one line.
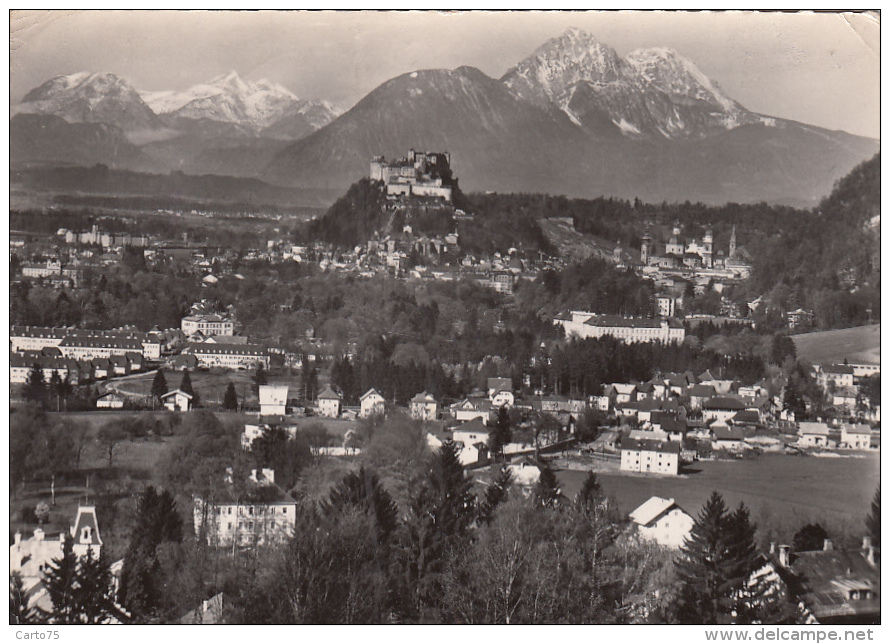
[[810, 537], [362, 490], [20, 612], [186, 386], [547, 492], [93, 594], [109, 438], [495, 495], [158, 385], [873, 520], [230, 398], [501, 432], [715, 564], [55, 388], [259, 378], [60, 580], [591, 493], [157, 522], [35, 386]]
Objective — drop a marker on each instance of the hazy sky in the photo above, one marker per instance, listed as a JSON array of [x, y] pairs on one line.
[[822, 69]]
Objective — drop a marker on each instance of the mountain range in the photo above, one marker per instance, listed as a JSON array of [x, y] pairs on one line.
[[573, 118]]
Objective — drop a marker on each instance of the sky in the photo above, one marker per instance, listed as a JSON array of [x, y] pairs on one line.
[[822, 68]]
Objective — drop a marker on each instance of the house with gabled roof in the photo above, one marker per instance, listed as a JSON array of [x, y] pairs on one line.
[[423, 407], [371, 403], [813, 434], [663, 521], [177, 400], [722, 407], [328, 403], [662, 457], [855, 436]]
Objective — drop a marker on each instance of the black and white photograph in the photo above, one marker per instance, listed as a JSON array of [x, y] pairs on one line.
[[445, 318]]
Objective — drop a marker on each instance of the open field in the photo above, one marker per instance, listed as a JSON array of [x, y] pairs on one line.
[[210, 385], [858, 344], [790, 489]]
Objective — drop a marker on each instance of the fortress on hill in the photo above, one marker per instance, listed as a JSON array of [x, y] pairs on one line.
[[421, 174]]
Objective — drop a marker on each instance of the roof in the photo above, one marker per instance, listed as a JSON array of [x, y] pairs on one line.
[[664, 447], [423, 397], [856, 429], [812, 428], [615, 321], [328, 394], [76, 340], [177, 391], [369, 393], [652, 509], [225, 349], [724, 402], [476, 426], [822, 579], [734, 434], [838, 368], [500, 383], [86, 518], [746, 416]]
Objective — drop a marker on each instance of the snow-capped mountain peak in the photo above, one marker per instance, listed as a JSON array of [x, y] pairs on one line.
[[228, 98], [651, 92]]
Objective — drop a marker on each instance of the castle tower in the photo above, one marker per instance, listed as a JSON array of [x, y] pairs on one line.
[[732, 244], [646, 248], [708, 248]]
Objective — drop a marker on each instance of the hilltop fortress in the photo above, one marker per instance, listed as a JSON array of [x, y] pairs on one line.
[[421, 174]]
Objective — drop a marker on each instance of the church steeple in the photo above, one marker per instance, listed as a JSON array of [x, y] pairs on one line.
[[732, 244]]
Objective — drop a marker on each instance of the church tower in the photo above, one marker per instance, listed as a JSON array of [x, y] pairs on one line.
[[707, 255], [646, 248], [732, 244]]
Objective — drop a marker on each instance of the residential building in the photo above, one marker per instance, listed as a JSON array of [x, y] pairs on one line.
[[228, 356], [371, 403], [845, 399], [813, 434], [722, 407], [177, 400], [661, 457], [328, 403], [498, 384], [273, 400], [583, 324], [110, 400], [834, 586], [208, 324], [259, 513], [472, 408], [666, 304], [252, 431], [502, 398], [663, 521], [29, 558], [856, 436], [423, 407]]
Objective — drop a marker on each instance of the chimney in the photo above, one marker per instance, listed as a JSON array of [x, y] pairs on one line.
[[827, 545], [784, 556]]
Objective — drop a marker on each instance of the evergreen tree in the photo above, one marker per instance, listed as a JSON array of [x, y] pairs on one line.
[[259, 378], [591, 492], [157, 522], [230, 399], [35, 385], [715, 566], [61, 581], [439, 518], [873, 520], [158, 385], [55, 388], [496, 494], [93, 594], [362, 490], [547, 492], [19, 610], [186, 385], [501, 433], [810, 537]]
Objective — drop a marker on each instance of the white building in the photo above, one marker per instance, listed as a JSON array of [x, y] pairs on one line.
[[856, 436], [328, 403], [211, 324], [502, 397], [260, 514], [273, 400], [253, 431], [371, 403], [110, 400], [177, 400], [423, 407], [584, 324], [812, 434], [29, 558], [228, 356], [660, 457], [663, 521]]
